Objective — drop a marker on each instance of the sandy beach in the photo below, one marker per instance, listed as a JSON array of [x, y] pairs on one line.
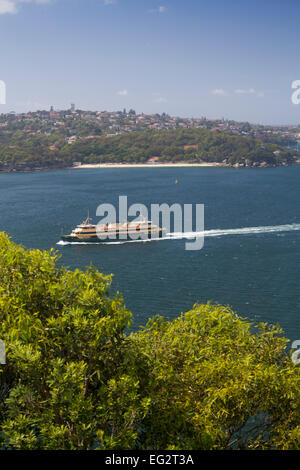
[[144, 165]]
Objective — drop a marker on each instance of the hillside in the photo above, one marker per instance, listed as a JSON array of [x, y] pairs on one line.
[[192, 145]]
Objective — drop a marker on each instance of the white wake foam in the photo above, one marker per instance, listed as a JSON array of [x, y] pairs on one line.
[[237, 231], [205, 233]]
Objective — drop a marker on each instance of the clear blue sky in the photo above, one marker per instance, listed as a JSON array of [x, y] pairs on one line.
[[231, 58]]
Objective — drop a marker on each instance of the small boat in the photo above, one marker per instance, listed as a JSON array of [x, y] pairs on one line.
[[87, 232]]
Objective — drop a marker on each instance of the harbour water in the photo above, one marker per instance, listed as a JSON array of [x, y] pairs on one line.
[[251, 255]]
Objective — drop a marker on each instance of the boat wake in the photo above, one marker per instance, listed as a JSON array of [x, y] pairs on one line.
[[238, 231], [206, 233]]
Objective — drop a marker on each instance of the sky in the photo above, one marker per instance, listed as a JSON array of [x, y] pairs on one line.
[[232, 59]]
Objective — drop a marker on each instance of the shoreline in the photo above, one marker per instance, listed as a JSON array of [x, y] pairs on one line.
[[146, 165]]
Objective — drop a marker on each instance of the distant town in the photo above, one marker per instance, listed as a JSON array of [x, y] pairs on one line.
[[78, 124]]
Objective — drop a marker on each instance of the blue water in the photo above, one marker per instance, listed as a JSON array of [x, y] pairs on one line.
[[258, 274]]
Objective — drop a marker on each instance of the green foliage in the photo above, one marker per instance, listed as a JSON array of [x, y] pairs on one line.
[[65, 340], [25, 152], [75, 380], [213, 383], [169, 146]]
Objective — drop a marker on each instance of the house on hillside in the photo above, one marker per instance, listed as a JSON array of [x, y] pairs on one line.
[[186, 147], [153, 160]]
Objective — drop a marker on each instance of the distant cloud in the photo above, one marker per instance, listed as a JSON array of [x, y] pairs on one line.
[[238, 91], [12, 6], [123, 92], [7, 6], [219, 92], [160, 99], [109, 2], [250, 91], [160, 9]]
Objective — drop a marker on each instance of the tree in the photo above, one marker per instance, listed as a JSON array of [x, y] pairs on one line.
[[215, 384], [65, 340], [75, 379]]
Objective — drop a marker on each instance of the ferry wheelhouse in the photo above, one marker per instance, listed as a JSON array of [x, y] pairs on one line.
[[87, 232]]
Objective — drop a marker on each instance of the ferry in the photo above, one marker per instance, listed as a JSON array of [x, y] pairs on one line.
[[87, 232]]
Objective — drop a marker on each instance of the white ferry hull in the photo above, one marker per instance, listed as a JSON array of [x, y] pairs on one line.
[[109, 237]]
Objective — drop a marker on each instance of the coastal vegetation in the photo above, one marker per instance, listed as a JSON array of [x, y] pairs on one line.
[[192, 145], [76, 377]]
